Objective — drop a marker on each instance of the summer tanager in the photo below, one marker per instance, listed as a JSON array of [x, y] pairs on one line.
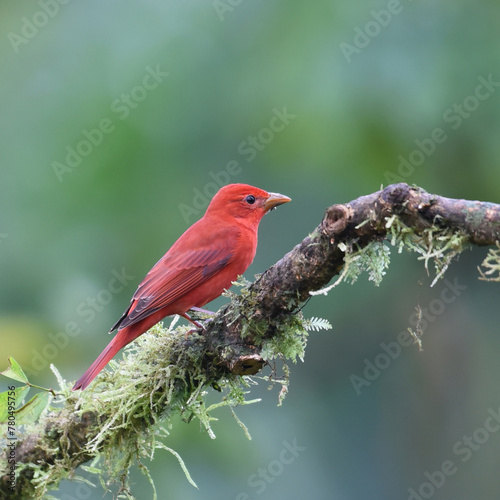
[[203, 262]]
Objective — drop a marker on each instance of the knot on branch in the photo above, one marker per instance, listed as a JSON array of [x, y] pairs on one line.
[[397, 195], [246, 365], [335, 220]]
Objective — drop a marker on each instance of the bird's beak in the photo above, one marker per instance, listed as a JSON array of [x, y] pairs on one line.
[[274, 200]]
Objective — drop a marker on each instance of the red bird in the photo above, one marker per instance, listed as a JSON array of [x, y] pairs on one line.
[[199, 266]]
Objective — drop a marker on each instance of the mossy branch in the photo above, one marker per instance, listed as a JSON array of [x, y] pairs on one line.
[[125, 415]]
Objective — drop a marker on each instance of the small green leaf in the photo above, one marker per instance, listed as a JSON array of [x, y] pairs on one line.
[[316, 324], [9, 399], [15, 372], [91, 470], [82, 479], [30, 412]]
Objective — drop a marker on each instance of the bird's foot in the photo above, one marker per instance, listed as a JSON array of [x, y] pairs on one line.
[[198, 325]]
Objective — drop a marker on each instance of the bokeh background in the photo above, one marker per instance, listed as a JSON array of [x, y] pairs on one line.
[[360, 87]]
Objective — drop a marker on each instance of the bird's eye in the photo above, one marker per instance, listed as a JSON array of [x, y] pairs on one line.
[[250, 199]]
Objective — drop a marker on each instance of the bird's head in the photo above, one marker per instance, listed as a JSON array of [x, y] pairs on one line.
[[246, 203]]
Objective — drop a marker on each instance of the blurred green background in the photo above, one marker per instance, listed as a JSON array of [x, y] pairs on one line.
[[178, 90]]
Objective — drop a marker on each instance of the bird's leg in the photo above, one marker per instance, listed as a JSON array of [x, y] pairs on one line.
[[198, 310], [198, 325], [191, 320]]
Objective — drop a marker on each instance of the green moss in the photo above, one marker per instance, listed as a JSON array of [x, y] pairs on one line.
[[136, 400], [491, 265], [435, 243], [374, 259]]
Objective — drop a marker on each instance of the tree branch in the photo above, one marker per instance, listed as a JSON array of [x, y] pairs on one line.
[[166, 373]]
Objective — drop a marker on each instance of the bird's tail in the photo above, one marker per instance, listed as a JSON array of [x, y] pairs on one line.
[[120, 340]]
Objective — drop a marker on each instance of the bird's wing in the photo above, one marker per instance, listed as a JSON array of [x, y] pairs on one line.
[[175, 274]]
